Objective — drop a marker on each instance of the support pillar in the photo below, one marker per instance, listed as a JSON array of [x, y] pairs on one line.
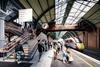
[[85, 39], [2, 34], [98, 38]]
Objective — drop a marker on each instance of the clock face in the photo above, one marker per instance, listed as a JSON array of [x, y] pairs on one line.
[[45, 25]]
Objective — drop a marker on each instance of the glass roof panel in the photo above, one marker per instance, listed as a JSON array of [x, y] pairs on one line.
[[64, 6], [70, 17], [78, 10], [86, 9], [80, 1], [76, 5], [85, 2], [73, 9], [76, 14], [91, 4], [71, 14], [60, 9], [75, 20], [81, 8], [81, 14]]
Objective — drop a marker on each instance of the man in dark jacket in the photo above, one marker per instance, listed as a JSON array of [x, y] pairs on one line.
[[40, 49]]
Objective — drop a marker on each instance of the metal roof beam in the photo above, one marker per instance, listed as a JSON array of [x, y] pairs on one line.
[[31, 7], [49, 11], [45, 12], [42, 10], [67, 34], [16, 4], [67, 10]]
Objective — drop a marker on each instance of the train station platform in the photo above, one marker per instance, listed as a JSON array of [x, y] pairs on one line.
[[80, 60], [46, 60], [26, 25]]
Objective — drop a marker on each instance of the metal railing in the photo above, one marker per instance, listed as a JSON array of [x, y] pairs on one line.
[[10, 47]]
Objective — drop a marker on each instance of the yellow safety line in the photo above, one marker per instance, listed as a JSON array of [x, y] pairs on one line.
[[86, 61]]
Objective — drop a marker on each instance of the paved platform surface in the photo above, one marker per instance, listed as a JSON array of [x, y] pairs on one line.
[[80, 60], [14, 64], [45, 61]]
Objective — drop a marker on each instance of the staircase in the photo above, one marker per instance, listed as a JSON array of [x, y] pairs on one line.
[[29, 47]]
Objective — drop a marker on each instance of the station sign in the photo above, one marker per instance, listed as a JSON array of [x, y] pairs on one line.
[[25, 15]]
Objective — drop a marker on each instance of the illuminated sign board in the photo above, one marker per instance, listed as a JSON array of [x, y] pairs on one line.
[[25, 15]]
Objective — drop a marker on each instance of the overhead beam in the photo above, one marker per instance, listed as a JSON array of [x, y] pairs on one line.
[[32, 7], [51, 30], [42, 10], [48, 7], [67, 10], [61, 27]]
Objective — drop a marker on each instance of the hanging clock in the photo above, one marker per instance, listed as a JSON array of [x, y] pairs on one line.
[[45, 25]]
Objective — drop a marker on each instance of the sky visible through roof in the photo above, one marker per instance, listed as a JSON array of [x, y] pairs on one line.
[[78, 10]]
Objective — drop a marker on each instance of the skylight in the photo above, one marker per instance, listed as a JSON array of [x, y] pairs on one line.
[[80, 8], [60, 9]]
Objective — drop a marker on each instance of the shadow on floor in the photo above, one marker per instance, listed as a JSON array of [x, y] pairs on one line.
[[95, 53], [14, 64]]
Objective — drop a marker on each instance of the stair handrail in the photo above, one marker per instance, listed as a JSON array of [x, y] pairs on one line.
[[11, 51], [19, 39]]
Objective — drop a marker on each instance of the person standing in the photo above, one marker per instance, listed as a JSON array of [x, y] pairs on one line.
[[40, 49], [46, 46], [19, 53]]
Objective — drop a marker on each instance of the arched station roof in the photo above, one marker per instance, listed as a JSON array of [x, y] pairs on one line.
[[60, 11]]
